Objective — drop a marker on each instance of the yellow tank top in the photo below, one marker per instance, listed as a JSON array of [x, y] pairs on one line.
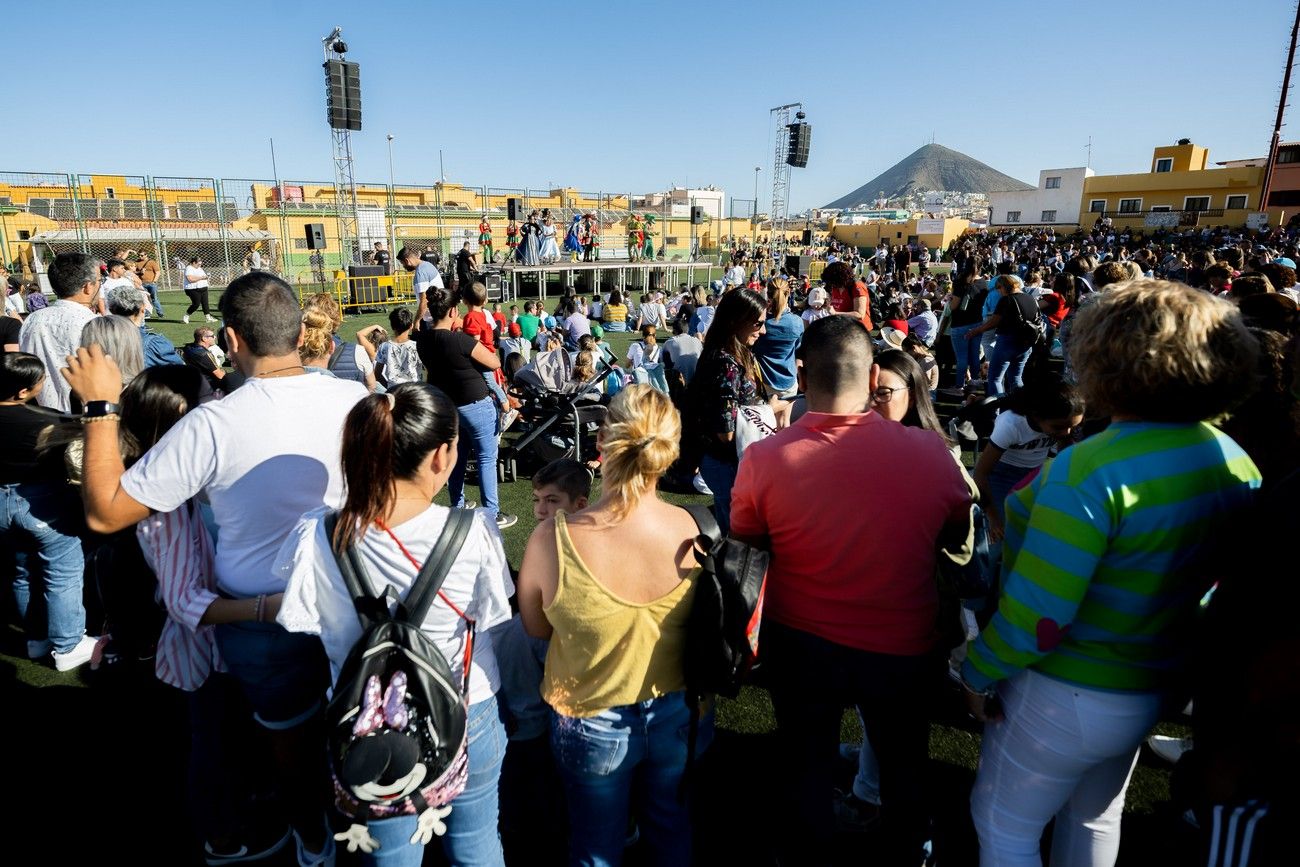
[[606, 651]]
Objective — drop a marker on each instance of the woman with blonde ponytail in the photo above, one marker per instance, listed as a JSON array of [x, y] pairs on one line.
[[611, 586]]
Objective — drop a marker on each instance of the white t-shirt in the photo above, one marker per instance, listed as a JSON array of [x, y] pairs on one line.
[[684, 351], [735, 276], [654, 313], [195, 277], [401, 361], [14, 303], [263, 456], [1021, 445], [114, 282], [317, 602], [639, 354]]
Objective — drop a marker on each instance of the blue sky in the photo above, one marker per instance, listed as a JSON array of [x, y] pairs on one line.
[[635, 97]]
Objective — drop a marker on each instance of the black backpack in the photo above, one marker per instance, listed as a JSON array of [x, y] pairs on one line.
[[722, 630], [396, 724], [726, 613]]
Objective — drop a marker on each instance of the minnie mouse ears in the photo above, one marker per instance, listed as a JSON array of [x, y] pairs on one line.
[[383, 759]]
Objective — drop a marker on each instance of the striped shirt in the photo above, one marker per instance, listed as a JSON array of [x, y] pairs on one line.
[[178, 548], [1100, 556]]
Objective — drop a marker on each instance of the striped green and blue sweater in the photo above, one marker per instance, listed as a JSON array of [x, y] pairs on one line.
[[1100, 556]]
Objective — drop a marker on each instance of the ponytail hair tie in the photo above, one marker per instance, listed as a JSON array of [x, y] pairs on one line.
[[392, 401]]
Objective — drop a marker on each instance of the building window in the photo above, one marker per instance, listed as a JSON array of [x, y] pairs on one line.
[[24, 235], [1048, 217], [300, 243], [1013, 216], [1288, 155], [1164, 164], [1130, 206], [1052, 184], [1097, 206], [1237, 203], [1196, 203], [110, 193], [1160, 208]]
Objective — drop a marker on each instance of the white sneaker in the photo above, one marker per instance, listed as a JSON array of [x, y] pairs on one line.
[[699, 484], [186, 319], [39, 649], [1168, 748], [77, 656], [209, 318]]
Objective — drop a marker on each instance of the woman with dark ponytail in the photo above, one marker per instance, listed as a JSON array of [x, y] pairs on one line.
[[399, 449]]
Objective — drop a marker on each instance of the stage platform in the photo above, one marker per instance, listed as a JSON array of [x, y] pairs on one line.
[[617, 274]]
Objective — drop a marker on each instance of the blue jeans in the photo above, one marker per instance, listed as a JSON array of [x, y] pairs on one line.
[[604, 757], [39, 521], [471, 837], [721, 478], [152, 289], [1007, 366], [967, 353], [478, 433], [284, 675]]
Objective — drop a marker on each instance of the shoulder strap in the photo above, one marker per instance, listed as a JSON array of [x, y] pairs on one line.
[[334, 357], [445, 551], [370, 607], [710, 535]]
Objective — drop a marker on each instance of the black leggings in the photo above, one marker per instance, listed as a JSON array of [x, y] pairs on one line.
[[198, 298]]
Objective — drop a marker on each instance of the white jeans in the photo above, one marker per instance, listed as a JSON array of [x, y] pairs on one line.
[[1064, 751]]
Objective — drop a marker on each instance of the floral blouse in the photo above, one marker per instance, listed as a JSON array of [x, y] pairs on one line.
[[722, 389]]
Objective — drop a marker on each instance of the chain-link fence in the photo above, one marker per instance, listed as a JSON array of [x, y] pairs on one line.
[[232, 225]]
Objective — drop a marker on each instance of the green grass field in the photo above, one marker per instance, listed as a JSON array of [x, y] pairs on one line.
[[125, 742]]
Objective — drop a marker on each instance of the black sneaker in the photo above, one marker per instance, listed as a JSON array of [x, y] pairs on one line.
[[504, 520], [854, 815]]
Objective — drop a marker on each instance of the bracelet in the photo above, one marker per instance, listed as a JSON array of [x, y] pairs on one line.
[[257, 607], [112, 416]]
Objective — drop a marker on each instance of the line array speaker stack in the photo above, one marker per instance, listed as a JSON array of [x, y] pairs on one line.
[[343, 93], [800, 142]]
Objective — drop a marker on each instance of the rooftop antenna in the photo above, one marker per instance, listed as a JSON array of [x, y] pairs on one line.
[[1089, 151]]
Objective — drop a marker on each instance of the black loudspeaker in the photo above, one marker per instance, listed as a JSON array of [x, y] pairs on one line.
[[807, 237], [343, 94], [315, 236], [697, 215], [796, 265], [366, 290], [513, 207], [492, 283], [800, 142]]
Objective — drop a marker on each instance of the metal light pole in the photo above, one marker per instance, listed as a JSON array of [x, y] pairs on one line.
[[392, 203], [757, 170]]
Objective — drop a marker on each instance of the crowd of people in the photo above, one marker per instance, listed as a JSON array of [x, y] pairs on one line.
[[1117, 538]]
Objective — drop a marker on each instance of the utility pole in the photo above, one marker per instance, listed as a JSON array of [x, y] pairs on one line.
[[1281, 109]]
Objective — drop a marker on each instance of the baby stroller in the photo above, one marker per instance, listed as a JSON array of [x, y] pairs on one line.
[[559, 418]]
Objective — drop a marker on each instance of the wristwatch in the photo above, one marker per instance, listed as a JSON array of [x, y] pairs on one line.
[[99, 409]]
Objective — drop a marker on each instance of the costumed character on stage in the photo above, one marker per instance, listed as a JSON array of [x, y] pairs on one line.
[[485, 240], [530, 247], [572, 240], [635, 237], [589, 235], [648, 238], [550, 249], [512, 240]]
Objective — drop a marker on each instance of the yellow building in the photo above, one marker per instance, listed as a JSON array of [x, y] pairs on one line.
[[933, 233], [1179, 190]]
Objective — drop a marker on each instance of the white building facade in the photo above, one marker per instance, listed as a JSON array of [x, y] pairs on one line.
[[1055, 201]]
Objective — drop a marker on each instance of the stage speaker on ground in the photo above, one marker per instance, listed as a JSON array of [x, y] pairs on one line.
[[366, 289], [807, 237], [315, 236], [800, 142], [697, 215], [796, 265], [513, 209]]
